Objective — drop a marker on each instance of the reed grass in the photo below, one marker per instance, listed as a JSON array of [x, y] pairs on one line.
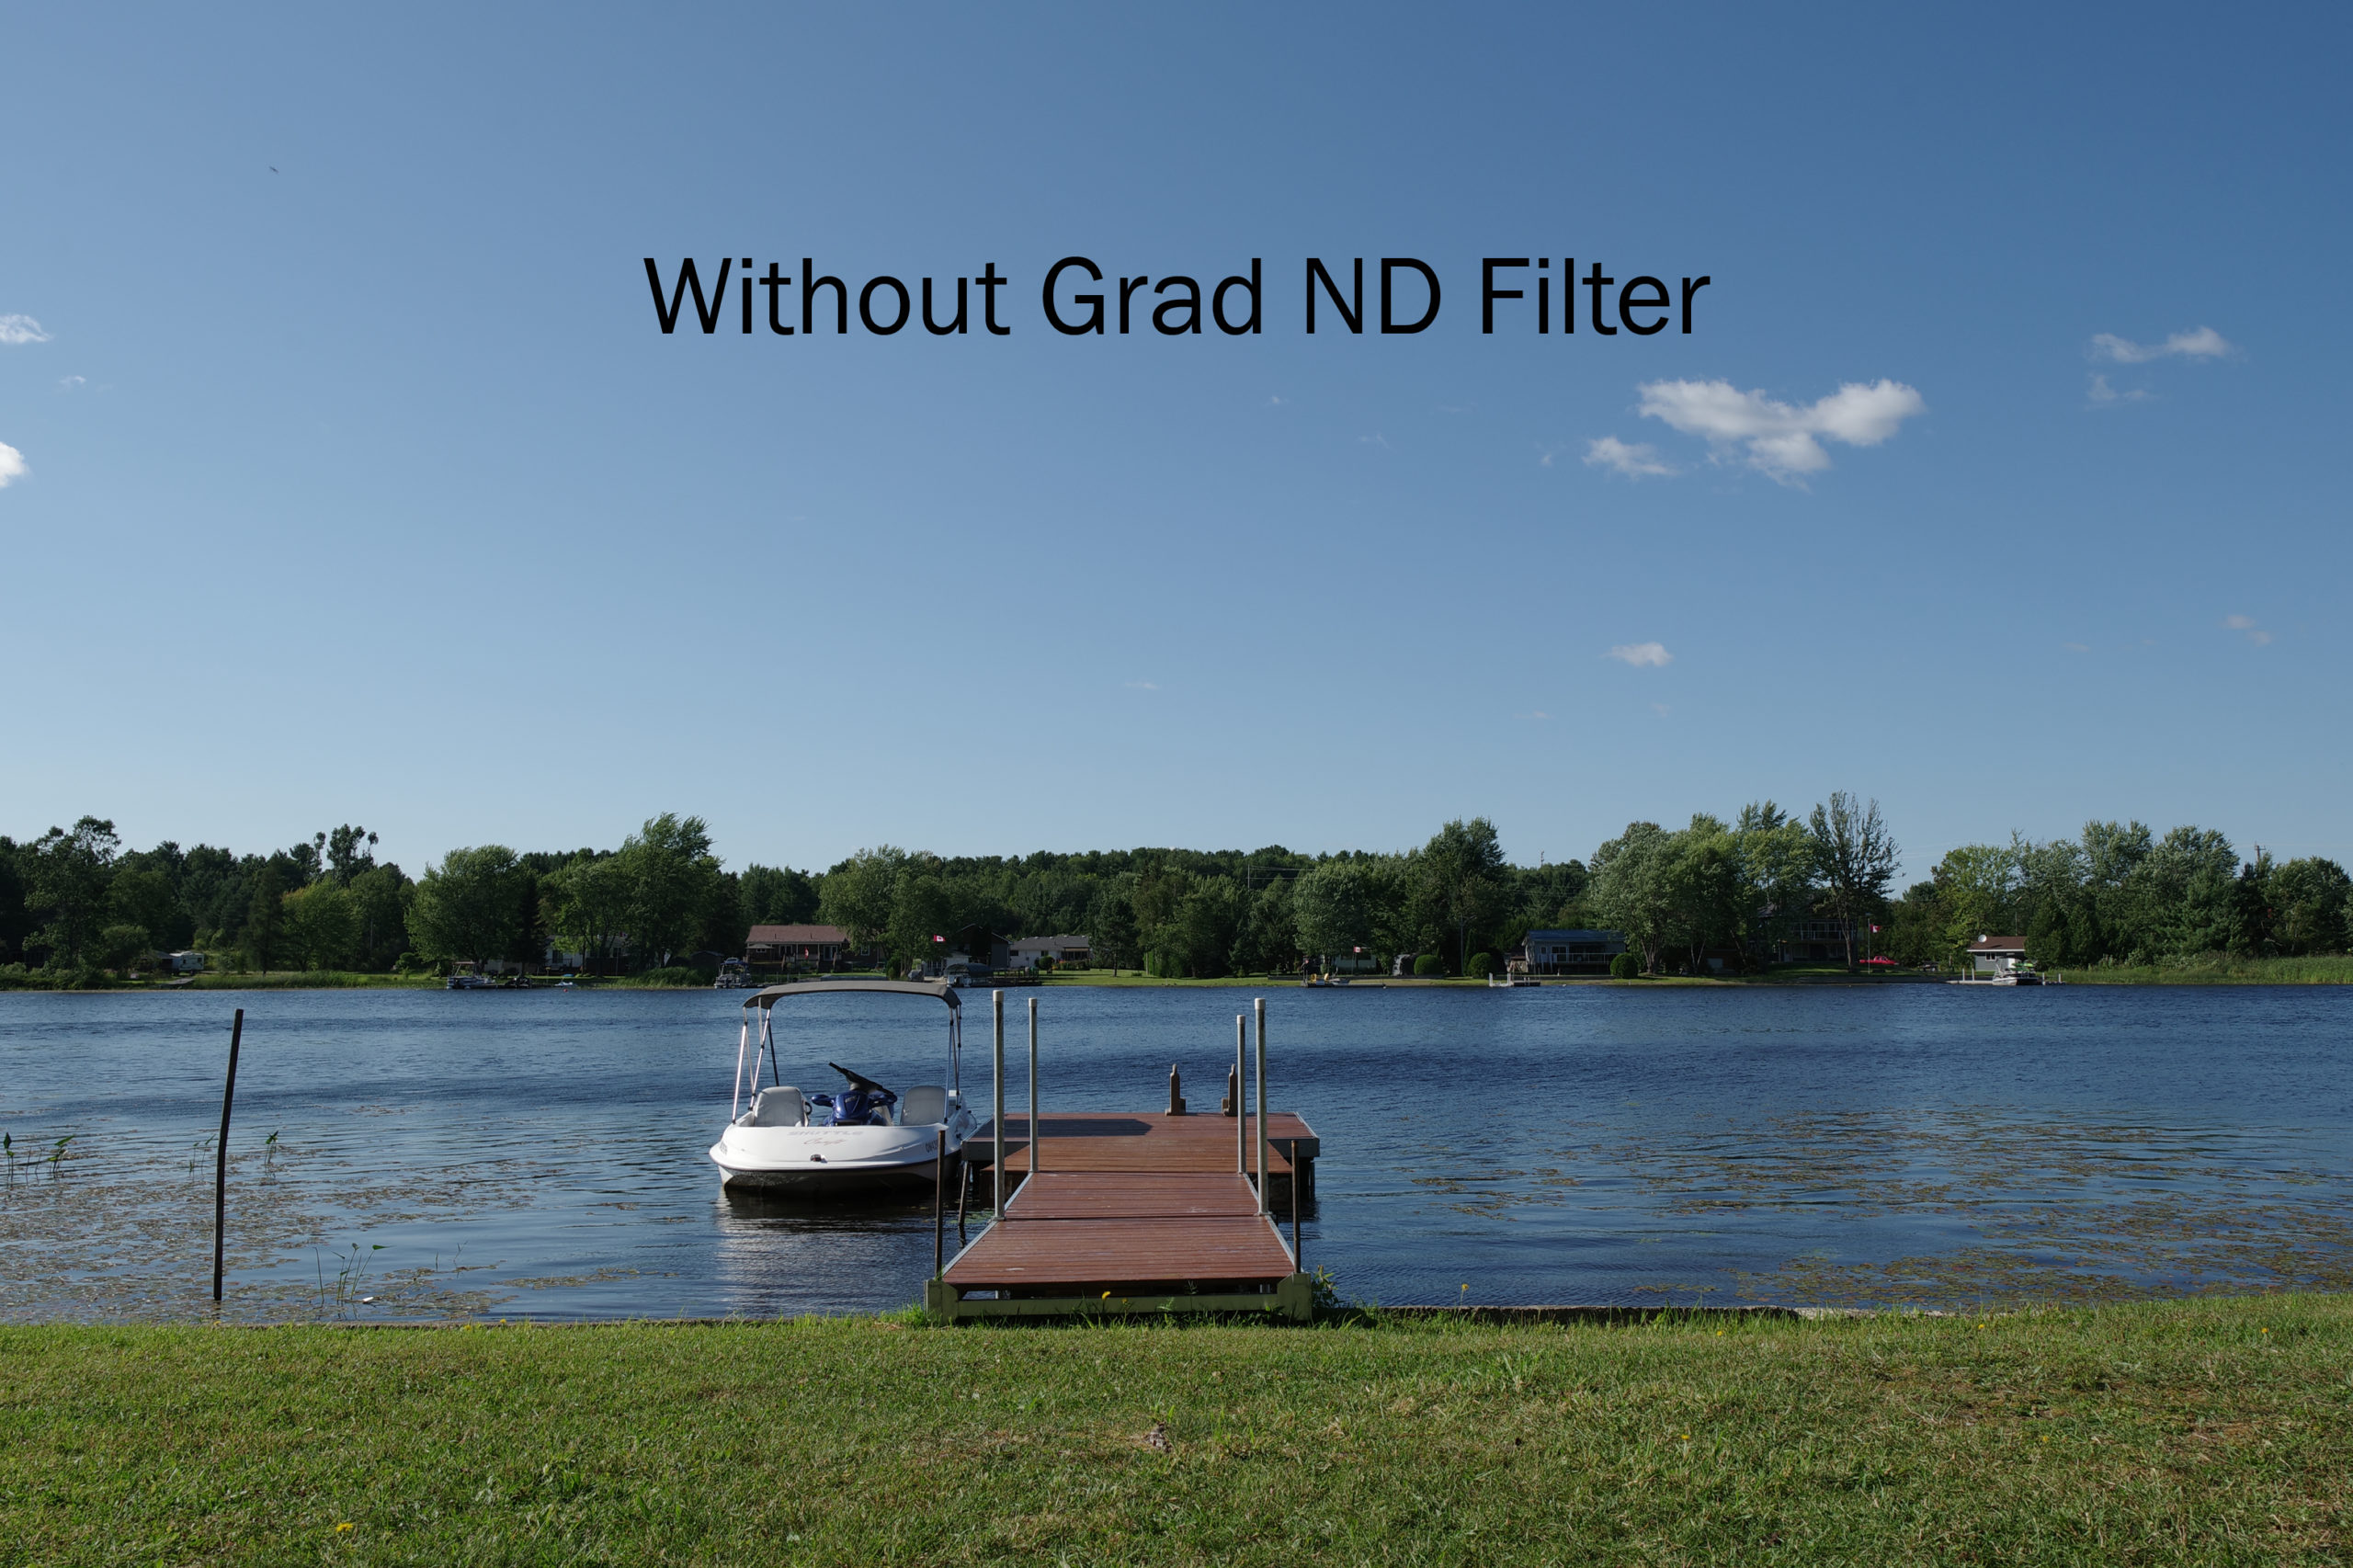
[[2208, 1431]]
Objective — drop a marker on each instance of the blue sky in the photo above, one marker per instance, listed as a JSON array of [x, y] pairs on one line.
[[351, 478]]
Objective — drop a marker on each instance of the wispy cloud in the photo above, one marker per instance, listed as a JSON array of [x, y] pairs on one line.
[[1779, 439], [1627, 460], [2076, 647], [12, 464], [1642, 655], [2102, 395], [1661, 709], [2205, 343], [2255, 634], [21, 329], [1373, 441], [1141, 686]]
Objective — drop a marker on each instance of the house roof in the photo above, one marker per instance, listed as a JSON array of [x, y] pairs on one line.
[[780, 936], [1577, 937], [1998, 945], [1040, 944]]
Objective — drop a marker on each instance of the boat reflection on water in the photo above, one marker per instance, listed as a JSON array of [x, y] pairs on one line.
[[781, 1253]]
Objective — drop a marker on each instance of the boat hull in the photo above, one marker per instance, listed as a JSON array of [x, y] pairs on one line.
[[826, 1160]]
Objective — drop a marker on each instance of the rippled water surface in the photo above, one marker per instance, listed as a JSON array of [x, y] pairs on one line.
[[542, 1154]]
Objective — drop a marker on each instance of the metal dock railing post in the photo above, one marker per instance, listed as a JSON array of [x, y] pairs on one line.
[[1037, 1128], [939, 1209], [996, 1120], [1262, 1104], [1241, 1111]]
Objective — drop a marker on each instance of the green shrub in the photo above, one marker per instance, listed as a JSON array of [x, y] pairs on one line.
[[676, 975], [1430, 963], [1625, 966], [1482, 964]]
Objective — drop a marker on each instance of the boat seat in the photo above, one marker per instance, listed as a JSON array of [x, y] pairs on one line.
[[779, 1104], [923, 1106]]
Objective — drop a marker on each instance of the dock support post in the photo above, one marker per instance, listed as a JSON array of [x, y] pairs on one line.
[[1037, 1128], [1295, 1261], [997, 1119], [1261, 1010], [939, 1210], [1241, 1111], [221, 1159]]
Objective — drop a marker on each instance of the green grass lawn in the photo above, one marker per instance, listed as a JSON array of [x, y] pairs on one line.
[[2205, 1431]]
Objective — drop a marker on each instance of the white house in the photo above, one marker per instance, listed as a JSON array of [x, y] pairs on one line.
[[1065, 949]]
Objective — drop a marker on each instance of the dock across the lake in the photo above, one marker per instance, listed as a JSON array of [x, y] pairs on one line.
[[1136, 1212]]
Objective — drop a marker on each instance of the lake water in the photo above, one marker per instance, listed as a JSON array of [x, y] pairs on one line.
[[542, 1153]]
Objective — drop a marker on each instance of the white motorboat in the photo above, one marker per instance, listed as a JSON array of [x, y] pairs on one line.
[[864, 1138]]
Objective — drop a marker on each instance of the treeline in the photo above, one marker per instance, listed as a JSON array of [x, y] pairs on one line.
[[75, 903]]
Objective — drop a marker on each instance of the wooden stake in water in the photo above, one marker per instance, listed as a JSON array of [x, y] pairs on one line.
[[220, 1157]]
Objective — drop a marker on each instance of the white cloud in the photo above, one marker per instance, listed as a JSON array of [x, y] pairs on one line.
[[2203, 344], [12, 464], [1642, 655], [1629, 459], [21, 329], [2102, 395], [1140, 686], [2076, 647], [1780, 438], [2255, 634], [69, 383]]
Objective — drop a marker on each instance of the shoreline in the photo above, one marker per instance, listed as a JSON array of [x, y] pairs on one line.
[[2247, 972]]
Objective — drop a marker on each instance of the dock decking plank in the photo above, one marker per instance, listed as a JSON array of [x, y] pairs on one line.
[[1061, 1254]]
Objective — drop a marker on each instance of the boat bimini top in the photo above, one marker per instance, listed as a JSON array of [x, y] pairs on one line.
[[753, 1046]]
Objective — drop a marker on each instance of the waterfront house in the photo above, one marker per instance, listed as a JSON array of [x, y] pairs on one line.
[[796, 947], [1997, 955], [185, 962], [1063, 949], [1567, 952]]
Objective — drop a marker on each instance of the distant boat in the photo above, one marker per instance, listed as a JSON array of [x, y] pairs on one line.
[[466, 980], [735, 975]]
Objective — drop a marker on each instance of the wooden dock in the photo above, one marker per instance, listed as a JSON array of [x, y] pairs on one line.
[[1135, 1212]]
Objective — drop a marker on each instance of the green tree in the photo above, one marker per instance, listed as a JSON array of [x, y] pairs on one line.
[[672, 876], [859, 894], [778, 895], [265, 917], [1855, 857], [70, 874], [1633, 888], [1776, 866], [1977, 890], [1111, 929], [350, 852], [322, 926], [1706, 888], [142, 896], [381, 895], [1333, 913], [586, 907], [2308, 906], [123, 944], [1463, 882], [465, 908]]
